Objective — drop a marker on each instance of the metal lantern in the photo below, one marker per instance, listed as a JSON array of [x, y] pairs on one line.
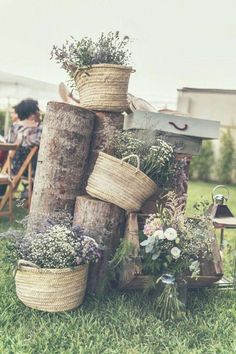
[[222, 219]]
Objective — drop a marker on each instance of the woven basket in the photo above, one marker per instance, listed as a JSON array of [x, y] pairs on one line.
[[120, 183], [103, 86], [50, 290]]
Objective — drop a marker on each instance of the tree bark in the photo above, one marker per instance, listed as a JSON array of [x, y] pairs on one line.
[[65, 142], [104, 222], [105, 125]]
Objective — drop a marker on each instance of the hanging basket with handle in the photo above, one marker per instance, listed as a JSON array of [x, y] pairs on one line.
[[51, 290], [120, 183], [103, 87]]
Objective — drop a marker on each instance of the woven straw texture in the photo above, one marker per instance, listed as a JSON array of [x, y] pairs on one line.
[[51, 290], [120, 183], [103, 87]]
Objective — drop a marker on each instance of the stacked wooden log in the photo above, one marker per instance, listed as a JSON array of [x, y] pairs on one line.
[[72, 137], [71, 140]]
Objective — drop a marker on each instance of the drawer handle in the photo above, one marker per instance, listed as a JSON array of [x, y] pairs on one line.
[[184, 128]]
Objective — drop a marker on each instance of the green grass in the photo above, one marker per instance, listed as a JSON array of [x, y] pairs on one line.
[[120, 322], [196, 190]]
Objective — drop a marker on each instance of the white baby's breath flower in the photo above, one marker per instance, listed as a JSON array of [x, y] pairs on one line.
[[175, 251], [170, 234]]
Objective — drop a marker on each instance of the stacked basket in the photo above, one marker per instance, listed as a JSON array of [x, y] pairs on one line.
[[103, 86], [117, 182]]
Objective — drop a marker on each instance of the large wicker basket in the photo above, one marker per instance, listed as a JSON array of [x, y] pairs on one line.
[[103, 86], [51, 290], [120, 183]]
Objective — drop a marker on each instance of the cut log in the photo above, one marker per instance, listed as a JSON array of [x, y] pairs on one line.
[[103, 222], [67, 131], [105, 125]]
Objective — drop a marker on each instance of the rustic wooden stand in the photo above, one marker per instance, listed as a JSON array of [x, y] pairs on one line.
[[72, 137]]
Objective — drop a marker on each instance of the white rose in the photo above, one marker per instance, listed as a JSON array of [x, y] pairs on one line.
[[159, 234], [175, 251], [170, 234]]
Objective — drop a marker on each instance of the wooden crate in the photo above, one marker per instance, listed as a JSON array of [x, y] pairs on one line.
[[211, 270]]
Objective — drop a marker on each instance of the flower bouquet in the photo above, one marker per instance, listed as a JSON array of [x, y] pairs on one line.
[[52, 267], [174, 246]]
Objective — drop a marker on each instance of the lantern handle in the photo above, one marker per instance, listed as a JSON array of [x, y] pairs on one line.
[[222, 187]]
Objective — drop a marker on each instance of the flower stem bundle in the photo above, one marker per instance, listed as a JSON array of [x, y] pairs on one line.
[[168, 303]]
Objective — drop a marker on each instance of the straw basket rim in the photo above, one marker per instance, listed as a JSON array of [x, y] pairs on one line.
[[106, 65], [50, 270], [103, 65], [131, 168]]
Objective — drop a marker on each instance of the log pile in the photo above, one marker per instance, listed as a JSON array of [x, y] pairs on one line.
[[72, 138]]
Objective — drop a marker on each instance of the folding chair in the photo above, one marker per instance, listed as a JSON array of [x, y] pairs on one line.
[[6, 178], [15, 180]]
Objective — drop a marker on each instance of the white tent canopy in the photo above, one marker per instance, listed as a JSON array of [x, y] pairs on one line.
[[14, 88]]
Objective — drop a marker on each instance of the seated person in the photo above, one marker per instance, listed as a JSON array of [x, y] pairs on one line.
[[26, 132], [3, 154]]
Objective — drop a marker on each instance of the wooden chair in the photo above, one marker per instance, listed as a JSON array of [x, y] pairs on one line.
[[12, 182], [6, 178]]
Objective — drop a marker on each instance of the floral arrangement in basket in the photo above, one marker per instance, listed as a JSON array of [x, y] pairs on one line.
[[157, 159], [98, 70], [174, 246], [110, 48], [52, 266], [59, 246]]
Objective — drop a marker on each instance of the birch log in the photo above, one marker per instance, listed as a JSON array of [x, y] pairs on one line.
[[104, 222], [64, 147]]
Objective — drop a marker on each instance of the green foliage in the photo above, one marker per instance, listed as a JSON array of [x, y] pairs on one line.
[[226, 163], [122, 252], [2, 120], [109, 49], [201, 166]]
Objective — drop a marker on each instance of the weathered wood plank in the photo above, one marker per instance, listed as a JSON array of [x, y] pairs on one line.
[[201, 128]]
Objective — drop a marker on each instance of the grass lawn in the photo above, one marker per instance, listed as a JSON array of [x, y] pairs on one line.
[[197, 190], [120, 322]]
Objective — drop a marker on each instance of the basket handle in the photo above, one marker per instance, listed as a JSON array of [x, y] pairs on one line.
[[81, 72], [23, 262], [132, 155]]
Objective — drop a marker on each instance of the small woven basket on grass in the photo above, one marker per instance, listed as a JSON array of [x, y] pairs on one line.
[[51, 290], [120, 183], [103, 86]]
